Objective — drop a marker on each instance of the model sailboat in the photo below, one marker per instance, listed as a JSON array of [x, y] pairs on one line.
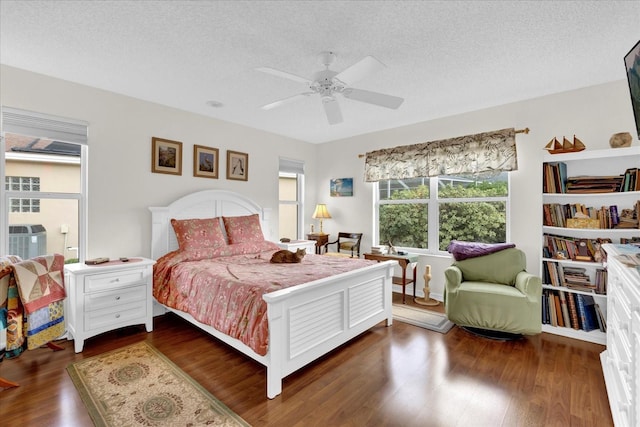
[[555, 147]]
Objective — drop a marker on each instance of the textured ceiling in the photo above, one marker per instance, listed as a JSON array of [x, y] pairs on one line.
[[443, 57]]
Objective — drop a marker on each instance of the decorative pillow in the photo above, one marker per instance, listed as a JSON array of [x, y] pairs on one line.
[[242, 229], [198, 233]]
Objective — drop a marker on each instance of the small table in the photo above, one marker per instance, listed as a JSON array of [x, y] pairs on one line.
[[321, 240], [404, 261]]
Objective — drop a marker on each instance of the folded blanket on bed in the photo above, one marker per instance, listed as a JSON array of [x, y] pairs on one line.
[[463, 250]]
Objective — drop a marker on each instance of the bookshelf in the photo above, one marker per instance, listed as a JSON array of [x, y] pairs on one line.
[[606, 205]]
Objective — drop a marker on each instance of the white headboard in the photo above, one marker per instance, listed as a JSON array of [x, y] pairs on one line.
[[201, 204]]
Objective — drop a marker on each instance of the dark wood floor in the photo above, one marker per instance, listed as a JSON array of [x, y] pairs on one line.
[[389, 376]]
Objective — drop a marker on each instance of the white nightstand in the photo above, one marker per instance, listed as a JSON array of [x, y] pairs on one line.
[[107, 296], [294, 245]]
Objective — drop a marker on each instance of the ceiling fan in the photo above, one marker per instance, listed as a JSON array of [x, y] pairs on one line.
[[327, 83]]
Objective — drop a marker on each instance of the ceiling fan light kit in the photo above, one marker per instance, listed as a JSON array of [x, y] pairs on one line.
[[327, 83]]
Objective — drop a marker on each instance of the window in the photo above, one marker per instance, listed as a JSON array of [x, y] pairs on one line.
[[290, 190], [45, 185], [23, 183], [461, 208]]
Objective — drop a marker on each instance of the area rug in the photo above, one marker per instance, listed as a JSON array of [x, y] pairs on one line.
[[424, 318], [138, 385]]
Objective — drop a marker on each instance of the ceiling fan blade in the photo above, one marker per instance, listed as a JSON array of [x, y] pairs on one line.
[[286, 101], [376, 98], [332, 110], [358, 71], [283, 74]]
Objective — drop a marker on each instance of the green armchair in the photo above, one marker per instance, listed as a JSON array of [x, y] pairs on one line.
[[494, 292]]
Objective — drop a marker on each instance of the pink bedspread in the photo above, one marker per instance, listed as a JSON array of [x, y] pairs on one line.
[[226, 292]]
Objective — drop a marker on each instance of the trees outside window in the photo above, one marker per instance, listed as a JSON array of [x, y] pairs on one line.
[[456, 207]]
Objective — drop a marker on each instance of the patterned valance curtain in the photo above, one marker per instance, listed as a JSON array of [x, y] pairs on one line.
[[483, 153]]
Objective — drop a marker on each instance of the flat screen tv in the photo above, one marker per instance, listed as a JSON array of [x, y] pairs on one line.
[[632, 63]]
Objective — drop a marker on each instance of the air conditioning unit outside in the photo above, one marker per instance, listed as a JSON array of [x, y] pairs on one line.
[[27, 240]]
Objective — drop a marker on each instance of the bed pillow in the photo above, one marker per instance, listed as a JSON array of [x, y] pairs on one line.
[[242, 229], [195, 234]]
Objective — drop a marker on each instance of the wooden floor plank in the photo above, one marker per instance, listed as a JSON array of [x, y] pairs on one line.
[[400, 375]]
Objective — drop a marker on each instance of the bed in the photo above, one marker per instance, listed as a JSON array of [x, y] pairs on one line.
[[305, 321]]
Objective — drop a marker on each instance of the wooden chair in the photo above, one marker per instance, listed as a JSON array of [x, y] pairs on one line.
[[349, 242]]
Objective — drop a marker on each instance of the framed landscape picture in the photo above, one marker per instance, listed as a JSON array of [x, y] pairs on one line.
[[166, 156], [341, 187], [237, 165], [205, 161]]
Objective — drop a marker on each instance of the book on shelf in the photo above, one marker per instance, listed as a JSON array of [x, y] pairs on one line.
[[577, 215], [558, 309], [565, 247], [579, 283], [601, 281], [629, 218], [555, 180], [565, 309], [631, 180], [602, 319], [583, 251], [378, 249], [554, 176], [573, 311], [552, 310], [586, 312], [594, 184]]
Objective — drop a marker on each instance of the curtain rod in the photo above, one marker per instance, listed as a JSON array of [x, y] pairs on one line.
[[525, 131]]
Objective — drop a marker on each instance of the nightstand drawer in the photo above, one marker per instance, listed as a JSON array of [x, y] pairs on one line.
[[115, 298], [106, 281], [110, 317]]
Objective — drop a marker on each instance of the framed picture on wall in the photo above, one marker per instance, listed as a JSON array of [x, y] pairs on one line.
[[166, 156], [341, 187], [237, 165], [205, 161]]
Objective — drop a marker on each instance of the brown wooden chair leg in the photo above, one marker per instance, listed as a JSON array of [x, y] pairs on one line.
[[4, 383]]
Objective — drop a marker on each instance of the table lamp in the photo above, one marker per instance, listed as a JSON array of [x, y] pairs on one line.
[[321, 213]]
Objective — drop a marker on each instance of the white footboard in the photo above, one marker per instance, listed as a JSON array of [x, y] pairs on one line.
[[308, 321]]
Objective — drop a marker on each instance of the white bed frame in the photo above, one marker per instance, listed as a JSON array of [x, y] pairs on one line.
[[305, 321]]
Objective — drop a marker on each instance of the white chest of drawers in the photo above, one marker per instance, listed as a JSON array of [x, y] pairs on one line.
[[621, 359], [108, 296]]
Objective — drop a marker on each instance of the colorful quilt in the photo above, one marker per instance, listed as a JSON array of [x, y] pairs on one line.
[[11, 314], [40, 285], [226, 292]]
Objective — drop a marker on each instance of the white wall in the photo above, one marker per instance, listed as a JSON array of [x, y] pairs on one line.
[[121, 185], [593, 114]]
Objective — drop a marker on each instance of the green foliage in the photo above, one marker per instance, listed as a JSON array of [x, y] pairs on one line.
[[406, 224], [477, 222], [480, 189]]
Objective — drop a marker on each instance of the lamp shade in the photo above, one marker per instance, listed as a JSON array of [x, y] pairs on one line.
[[321, 212]]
